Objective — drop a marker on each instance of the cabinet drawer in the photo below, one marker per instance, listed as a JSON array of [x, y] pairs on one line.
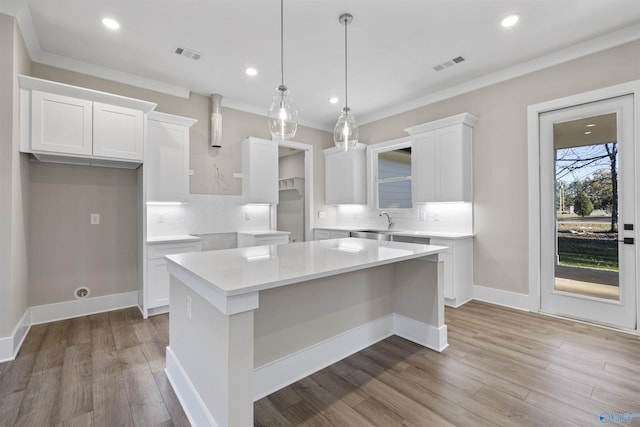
[[159, 251], [322, 234], [272, 240]]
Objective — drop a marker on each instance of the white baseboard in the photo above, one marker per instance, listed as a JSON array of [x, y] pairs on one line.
[[82, 307], [280, 373], [500, 297], [420, 333], [453, 302], [10, 346], [193, 406]]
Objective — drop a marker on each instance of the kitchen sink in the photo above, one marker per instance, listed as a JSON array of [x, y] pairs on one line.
[[371, 234]]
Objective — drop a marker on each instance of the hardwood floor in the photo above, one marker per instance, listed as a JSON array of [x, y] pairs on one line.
[[102, 370], [503, 367]]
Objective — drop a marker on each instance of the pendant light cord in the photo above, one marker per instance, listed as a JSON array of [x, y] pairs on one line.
[[282, 41], [346, 105]]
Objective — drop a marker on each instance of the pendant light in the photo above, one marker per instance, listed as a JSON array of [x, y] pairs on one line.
[[345, 134], [283, 116]]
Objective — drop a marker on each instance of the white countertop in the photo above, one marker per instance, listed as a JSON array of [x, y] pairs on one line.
[[265, 233], [178, 238], [241, 271], [408, 233]]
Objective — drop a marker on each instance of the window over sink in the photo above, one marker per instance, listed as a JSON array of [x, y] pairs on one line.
[[392, 174]]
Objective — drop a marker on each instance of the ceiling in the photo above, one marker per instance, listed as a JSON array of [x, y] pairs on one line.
[[393, 46]]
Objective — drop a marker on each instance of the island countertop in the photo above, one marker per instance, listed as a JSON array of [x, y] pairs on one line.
[[234, 272]]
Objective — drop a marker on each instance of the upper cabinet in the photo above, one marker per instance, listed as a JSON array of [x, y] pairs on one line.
[[166, 165], [68, 124], [441, 155], [345, 176], [259, 171]]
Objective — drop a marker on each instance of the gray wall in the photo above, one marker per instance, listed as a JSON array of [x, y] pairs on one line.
[[14, 168], [500, 152]]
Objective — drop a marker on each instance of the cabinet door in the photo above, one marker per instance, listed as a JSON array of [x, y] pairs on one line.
[[425, 167], [60, 124], [453, 152], [117, 132], [259, 171], [158, 283], [345, 176], [167, 162]]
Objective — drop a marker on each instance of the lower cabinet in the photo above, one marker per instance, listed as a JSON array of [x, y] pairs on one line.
[[320, 234], [157, 277], [252, 239], [458, 266]]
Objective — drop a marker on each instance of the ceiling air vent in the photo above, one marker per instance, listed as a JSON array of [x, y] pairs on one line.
[[187, 53], [449, 63]]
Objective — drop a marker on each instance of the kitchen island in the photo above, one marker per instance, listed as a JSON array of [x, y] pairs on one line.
[[246, 322]]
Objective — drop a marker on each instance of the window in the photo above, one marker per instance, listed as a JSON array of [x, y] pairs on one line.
[[393, 178]]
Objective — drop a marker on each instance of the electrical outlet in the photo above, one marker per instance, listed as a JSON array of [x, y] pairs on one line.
[[422, 216], [188, 307], [160, 219], [95, 219], [322, 214]]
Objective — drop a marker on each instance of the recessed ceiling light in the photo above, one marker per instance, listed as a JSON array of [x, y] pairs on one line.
[[333, 100], [111, 24], [590, 125], [510, 20], [588, 132], [251, 71]]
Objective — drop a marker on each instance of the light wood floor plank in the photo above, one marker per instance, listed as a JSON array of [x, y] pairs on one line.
[[502, 368]]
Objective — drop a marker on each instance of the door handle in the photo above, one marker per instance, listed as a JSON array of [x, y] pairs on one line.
[[627, 241]]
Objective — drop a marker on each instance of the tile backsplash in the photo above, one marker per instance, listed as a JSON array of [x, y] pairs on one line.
[[206, 214], [436, 217]]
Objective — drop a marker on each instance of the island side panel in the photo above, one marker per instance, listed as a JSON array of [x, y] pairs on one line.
[[419, 302], [215, 353]]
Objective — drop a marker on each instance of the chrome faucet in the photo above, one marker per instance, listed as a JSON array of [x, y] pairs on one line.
[[389, 223]]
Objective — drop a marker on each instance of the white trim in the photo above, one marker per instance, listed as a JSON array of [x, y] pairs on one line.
[[453, 302], [570, 53], [70, 309], [285, 371], [501, 297], [191, 402], [10, 346], [280, 373], [309, 193], [420, 333], [533, 152]]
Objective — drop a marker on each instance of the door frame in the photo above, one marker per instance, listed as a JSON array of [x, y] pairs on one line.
[[307, 149], [534, 192]]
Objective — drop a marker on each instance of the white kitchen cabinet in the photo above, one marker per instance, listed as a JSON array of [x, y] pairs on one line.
[[61, 124], [157, 277], [69, 124], [326, 234], [259, 171], [458, 266], [167, 157], [118, 132], [345, 176], [246, 239], [441, 156]]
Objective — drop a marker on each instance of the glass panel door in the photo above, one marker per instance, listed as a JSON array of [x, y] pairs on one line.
[[588, 206]]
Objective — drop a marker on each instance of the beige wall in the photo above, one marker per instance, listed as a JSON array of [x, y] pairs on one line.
[[14, 169], [500, 152], [66, 251]]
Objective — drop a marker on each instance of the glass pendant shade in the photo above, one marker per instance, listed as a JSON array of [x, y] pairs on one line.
[[283, 116], [346, 134]]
